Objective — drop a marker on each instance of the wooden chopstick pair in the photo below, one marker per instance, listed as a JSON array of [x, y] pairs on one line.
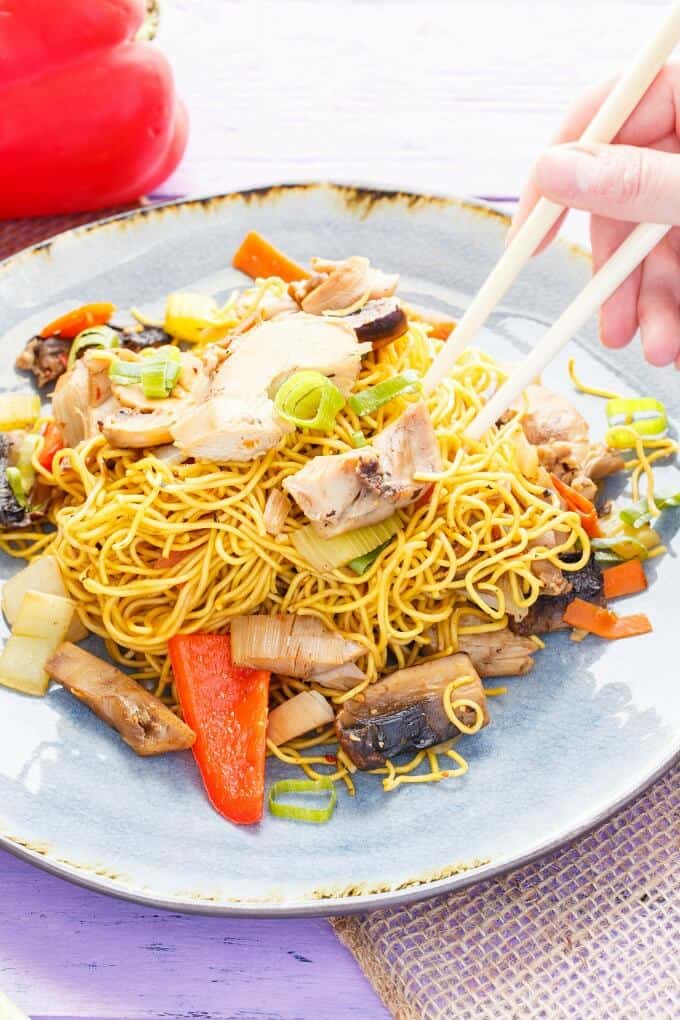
[[606, 123]]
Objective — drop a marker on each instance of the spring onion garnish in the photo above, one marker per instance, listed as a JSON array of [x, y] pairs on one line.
[[369, 401], [638, 514], [636, 416], [16, 485], [314, 787], [157, 372], [27, 448], [360, 564], [328, 553], [620, 547], [358, 440], [309, 400], [95, 336]]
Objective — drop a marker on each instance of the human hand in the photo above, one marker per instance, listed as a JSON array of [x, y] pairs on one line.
[[636, 180]]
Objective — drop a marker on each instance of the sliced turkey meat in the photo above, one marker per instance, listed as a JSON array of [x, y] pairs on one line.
[[238, 420], [349, 490], [560, 434]]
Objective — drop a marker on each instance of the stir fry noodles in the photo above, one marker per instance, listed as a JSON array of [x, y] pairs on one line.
[[288, 549]]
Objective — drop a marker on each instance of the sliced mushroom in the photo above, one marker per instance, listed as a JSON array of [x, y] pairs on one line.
[[138, 429], [145, 723], [379, 322], [546, 614], [45, 358], [406, 711]]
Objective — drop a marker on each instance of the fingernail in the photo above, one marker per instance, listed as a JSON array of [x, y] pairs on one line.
[[565, 171]]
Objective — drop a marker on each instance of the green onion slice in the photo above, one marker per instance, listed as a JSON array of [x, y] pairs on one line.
[[16, 484], [620, 547], [309, 400], [358, 440], [94, 336], [157, 372], [369, 401], [360, 564], [25, 461], [638, 514], [629, 417], [328, 553], [314, 787], [159, 378]]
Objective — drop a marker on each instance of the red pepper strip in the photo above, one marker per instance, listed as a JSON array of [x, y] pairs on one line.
[[586, 510], [72, 323], [226, 706], [53, 442], [624, 579], [603, 622]]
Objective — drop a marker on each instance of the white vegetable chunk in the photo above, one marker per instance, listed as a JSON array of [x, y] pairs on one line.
[[306, 711], [44, 616], [22, 664], [42, 575]]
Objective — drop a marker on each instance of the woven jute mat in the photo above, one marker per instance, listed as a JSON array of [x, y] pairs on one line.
[[591, 932]]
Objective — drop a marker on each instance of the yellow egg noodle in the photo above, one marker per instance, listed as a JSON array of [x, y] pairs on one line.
[[149, 548]]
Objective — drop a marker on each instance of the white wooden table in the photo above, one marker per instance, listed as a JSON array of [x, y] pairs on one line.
[[439, 96]]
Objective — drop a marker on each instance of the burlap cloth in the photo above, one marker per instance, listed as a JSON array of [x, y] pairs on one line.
[[590, 932]]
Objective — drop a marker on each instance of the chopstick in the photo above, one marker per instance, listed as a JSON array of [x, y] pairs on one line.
[[8, 1011], [603, 127], [622, 263]]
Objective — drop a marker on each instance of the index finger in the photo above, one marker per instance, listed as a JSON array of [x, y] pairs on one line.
[[572, 127]]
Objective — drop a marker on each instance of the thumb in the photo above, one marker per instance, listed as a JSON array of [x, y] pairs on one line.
[[621, 182]]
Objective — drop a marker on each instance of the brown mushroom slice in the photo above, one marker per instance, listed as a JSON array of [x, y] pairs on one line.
[[145, 723], [139, 429], [405, 711], [379, 322]]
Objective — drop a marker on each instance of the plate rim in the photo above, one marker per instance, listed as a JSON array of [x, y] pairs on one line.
[[422, 888]]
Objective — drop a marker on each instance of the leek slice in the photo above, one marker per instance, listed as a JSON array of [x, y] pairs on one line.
[[369, 401], [328, 553], [96, 336], [294, 812], [309, 400]]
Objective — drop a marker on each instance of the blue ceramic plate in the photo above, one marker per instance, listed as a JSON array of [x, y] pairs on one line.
[[573, 741]]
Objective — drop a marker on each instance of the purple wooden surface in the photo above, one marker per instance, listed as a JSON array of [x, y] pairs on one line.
[[69, 954]]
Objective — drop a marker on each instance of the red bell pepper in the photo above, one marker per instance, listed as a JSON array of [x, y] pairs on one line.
[[226, 706], [53, 442], [89, 115]]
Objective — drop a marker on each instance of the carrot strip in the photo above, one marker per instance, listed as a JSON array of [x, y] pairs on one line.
[[257, 257], [586, 510], [624, 579], [72, 323], [603, 622]]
